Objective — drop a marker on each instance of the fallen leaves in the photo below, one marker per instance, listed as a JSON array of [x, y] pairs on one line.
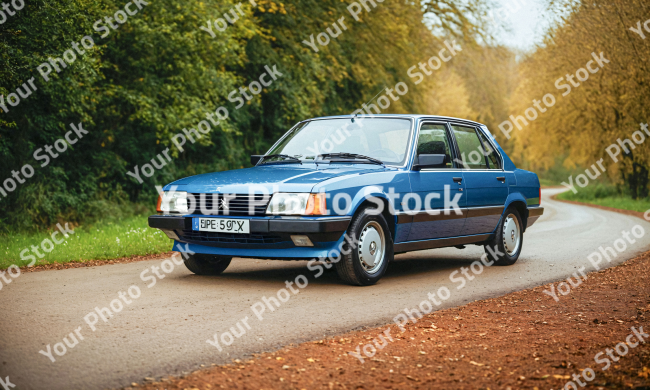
[[561, 348]]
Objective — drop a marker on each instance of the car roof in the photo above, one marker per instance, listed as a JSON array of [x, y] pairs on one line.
[[406, 116]]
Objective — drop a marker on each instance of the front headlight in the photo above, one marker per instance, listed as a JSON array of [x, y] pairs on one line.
[[297, 204], [173, 202]]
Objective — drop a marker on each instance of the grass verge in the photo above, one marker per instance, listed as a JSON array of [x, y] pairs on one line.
[[617, 202], [123, 237], [607, 199]]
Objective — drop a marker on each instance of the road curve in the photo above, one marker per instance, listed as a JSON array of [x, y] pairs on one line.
[[164, 330]]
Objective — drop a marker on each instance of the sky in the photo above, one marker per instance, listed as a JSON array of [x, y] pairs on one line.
[[526, 19]]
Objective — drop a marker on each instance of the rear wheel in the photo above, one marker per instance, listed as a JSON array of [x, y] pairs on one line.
[[369, 253], [202, 264], [506, 244]]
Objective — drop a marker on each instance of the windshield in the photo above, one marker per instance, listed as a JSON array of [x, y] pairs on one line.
[[380, 138]]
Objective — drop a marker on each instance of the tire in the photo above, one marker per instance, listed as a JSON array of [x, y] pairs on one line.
[[363, 265], [201, 264], [508, 239]]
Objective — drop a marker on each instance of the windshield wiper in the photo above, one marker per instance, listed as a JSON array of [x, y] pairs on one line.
[[352, 156], [285, 156]]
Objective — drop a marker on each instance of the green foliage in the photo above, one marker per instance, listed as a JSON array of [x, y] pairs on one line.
[[121, 237], [158, 73]]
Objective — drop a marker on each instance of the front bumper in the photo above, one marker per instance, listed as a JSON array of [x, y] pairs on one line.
[[269, 237], [262, 225]]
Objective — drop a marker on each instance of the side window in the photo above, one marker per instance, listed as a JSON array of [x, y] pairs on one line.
[[472, 154], [492, 155], [433, 140]]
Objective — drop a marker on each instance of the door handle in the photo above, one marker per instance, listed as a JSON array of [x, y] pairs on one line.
[[501, 178], [458, 179]]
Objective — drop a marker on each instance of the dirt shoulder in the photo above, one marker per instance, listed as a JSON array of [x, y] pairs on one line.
[[94, 263], [525, 339]]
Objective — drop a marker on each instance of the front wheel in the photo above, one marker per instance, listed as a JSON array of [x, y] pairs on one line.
[[505, 246], [201, 264], [368, 249]]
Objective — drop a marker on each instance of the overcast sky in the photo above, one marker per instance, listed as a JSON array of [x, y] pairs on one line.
[[527, 23]]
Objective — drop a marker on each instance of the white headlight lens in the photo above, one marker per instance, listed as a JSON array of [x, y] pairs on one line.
[[288, 204], [174, 202]]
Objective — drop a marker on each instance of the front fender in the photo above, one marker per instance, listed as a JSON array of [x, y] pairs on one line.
[[358, 188]]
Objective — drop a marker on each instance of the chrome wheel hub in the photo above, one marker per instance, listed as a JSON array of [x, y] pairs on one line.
[[511, 234], [372, 247]]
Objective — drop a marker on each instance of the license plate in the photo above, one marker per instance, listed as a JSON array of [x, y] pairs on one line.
[[221, 225]]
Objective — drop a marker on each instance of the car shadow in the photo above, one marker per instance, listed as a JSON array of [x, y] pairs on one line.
[[278, 271]]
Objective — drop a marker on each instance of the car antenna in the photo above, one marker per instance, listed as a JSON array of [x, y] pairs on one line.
[[355, 115]]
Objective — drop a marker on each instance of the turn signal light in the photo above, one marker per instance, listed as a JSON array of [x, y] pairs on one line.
[[159, 203], [316, 205]]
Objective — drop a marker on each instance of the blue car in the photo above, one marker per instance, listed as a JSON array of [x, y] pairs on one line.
[[354, 191]]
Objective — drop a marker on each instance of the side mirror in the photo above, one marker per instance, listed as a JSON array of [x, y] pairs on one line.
[[255, 158], [430, 161]]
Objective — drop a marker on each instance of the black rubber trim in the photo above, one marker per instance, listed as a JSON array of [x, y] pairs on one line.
[[535, 211], [170, 222], [443, 215], [259, 225], [439, 243], [484, 211], [308, 225], [404, 218]]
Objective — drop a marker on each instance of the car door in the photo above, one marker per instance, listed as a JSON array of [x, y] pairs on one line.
[[485, 181], [433, 185]]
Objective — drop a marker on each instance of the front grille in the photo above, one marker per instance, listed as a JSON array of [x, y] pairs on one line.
[[229, 204], [228, 238]]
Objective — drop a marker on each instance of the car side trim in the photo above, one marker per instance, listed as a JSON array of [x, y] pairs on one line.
[[448, 214], [484, 211], [439, 243], [424, 216], [444, 215]]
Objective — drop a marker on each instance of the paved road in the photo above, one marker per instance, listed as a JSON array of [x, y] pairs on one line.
[[164, 330]]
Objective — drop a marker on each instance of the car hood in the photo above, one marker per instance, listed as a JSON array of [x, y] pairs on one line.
[[271, 178]]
